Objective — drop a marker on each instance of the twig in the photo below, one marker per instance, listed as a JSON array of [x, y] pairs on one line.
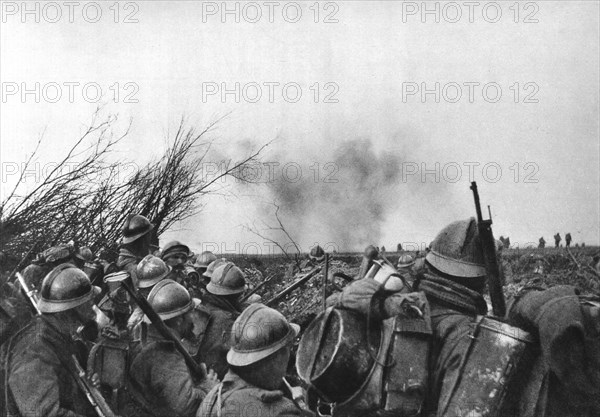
[[574, 260]]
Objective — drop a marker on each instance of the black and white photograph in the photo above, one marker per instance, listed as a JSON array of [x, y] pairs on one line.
[[350, 208]]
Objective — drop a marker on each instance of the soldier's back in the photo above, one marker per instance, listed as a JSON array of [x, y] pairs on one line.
[[39, 379], [159, 380], [240, 398], [215, 344]]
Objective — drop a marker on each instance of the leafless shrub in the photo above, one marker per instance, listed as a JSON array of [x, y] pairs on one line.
[[89, 202]]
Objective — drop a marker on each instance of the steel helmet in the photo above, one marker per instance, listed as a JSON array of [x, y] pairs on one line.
[[58, 254], [405, 261], [214, 265], [169, 299], [457, 250], [204, 259], [135, 227], [175, 248], [257, 333], [150, 270], [317, 254], [85, 254], [227, 279], [64, 288]]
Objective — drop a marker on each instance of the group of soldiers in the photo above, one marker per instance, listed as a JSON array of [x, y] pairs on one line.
[[137, 366], [166, 334], [557, 240]]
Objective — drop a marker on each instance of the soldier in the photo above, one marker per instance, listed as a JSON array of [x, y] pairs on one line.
[[201, 265], [542, 243], [436, 343], [159, 380], [83, 255], [41, 376], [175, 254], [405, 266], [568, 239], [258, 359], [211, 268], [15, 310], [49, 259], [203, 260], [135, 244], [405, 262], [557, 240], [150, 271], [317, 254], [221, 301]]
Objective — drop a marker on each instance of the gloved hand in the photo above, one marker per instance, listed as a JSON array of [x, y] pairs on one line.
[[367, 296]]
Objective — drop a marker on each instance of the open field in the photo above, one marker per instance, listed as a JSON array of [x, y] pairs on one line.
[[522, 267]]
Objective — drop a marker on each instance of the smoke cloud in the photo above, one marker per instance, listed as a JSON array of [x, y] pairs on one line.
[[342, 199]]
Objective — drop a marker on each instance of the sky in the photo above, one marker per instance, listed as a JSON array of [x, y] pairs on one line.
[[380, 113]]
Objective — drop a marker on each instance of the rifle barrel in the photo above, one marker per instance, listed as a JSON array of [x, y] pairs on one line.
[[477, 204], [94, 396], [324, 283], [489, 253], [258, 287], [29, 294], [293, 286]]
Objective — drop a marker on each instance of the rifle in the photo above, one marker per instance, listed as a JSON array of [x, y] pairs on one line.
[[30, 294], [324, 282], [298, 400], [258, 287], [293, 286], [91, 392], [489, 255], [198, 370]]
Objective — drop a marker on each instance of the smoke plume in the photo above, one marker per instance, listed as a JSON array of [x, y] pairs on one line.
[[346, 203]]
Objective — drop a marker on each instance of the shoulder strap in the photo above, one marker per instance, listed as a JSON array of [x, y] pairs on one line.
[[219, 400]]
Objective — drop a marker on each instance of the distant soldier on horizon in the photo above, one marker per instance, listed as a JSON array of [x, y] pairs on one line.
[[542, 244], [557, 240], [568, 239]]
